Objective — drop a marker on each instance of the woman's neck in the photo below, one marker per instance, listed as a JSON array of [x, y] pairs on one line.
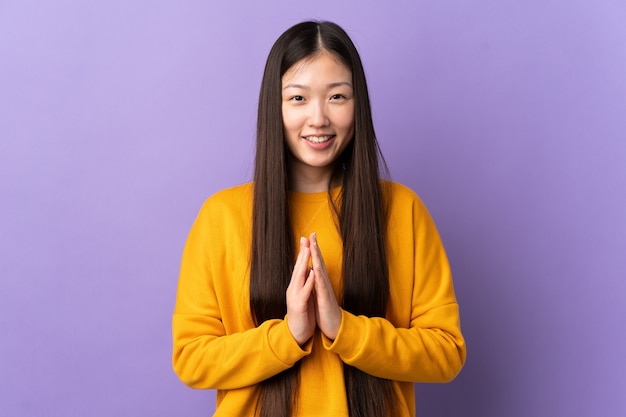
[[311, 180]]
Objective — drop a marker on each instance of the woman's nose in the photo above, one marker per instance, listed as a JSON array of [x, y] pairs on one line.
[[318, 116]]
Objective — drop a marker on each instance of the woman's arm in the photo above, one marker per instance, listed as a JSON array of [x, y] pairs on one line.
[[421, 341], [215, 342]]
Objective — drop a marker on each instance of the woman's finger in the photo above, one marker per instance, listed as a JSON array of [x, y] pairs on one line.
[[316, 254], [300, 304], [328, 311], [300, 269]]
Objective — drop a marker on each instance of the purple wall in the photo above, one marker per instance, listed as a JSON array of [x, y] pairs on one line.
[[118, 118]]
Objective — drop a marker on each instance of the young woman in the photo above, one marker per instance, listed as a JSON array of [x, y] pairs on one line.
[[320, 288]]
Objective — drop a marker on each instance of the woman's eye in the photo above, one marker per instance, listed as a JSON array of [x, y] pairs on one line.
[[297, 98], [337, 97]]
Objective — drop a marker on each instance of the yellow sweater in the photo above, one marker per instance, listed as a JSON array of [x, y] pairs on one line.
[[217, 345]]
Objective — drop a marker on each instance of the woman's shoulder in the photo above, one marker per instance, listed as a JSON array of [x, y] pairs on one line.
[[401, 193], [235, 197], [236, 192], [225, 212], [406, 204]]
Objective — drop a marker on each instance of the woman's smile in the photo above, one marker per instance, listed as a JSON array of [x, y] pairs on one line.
[[318, 139]]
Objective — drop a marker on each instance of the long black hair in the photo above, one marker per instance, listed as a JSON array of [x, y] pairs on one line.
[[361, 211]]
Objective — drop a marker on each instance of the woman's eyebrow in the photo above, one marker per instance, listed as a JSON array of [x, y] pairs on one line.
[[339, 84], [304, 87], [292, 85]]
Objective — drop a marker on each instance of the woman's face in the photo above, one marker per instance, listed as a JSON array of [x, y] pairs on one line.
[[318, 113]]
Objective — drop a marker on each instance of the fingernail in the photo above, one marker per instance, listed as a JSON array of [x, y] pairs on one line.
[[302, 240]]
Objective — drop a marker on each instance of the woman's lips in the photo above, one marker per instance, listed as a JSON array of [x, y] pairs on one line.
[[317, 139]]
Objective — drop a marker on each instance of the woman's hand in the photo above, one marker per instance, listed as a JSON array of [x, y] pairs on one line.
[[300, 302], [327, 311]]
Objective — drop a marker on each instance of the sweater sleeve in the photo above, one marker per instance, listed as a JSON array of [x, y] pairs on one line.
[[215, 345], [430, 348]]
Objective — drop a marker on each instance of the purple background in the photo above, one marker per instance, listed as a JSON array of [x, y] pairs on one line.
[[118, 118]]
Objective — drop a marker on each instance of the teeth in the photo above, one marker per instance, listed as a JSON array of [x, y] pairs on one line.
[[317, 139]]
